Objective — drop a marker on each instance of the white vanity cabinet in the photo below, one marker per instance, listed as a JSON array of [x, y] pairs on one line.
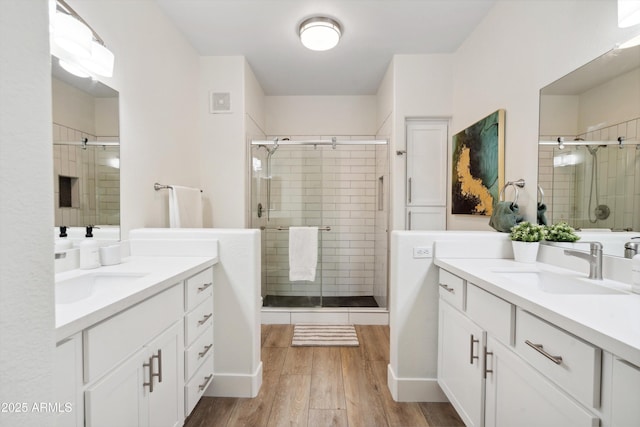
[[484, 376], [144, 388], [198, 369]]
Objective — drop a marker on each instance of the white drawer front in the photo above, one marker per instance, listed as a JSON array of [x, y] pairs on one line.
[[198, 352], [198, 288], [566, 360], [118, 337], [452, 289], [198, 320], [198, 384], [493, 314]]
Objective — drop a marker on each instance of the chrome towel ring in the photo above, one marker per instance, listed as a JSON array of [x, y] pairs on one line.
[[515, 184]]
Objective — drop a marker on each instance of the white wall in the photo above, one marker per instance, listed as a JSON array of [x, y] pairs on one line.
[[491, 72], [73, 107], [222, 142], [156, 72], [26, 212], [320, 115], [422, 87]]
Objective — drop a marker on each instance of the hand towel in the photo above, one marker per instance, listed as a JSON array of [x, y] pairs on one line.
[[185, 207], [303, 253], [504, 216]]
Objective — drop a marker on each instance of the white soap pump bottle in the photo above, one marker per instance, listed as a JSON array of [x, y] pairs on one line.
[[89, 253]]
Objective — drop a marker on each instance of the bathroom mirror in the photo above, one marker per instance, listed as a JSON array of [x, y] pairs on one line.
[[590, 177], [86, 152]]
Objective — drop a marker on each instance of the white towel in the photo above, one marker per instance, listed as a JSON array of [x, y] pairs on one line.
[[303, 253], [185, 207]]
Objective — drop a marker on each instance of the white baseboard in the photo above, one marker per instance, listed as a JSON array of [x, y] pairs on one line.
[[235, 385], [345, 315], [414, 389]]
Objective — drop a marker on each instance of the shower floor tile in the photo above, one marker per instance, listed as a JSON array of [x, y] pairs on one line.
[[306, 301]]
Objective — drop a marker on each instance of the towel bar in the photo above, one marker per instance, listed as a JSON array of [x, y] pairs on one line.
[[159, 187]]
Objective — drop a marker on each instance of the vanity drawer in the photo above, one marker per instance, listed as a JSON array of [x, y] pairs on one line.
[[566, 360], [493, 314], [198, 320], [198, 288], [198, 352], [198, 384], [118, 337], [451, 289]]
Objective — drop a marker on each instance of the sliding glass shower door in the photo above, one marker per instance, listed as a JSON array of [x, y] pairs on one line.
[[340, 190]]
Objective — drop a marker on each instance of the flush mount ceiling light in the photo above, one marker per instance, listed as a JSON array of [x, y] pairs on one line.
[[320, 33], [628, 13]]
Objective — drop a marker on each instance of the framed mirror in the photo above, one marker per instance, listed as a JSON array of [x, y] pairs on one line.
[[86, 152], [589, 152]]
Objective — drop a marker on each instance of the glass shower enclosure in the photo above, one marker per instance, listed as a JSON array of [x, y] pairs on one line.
[[339, 186]]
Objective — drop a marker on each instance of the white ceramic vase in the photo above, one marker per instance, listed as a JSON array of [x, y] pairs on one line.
[[525, 251]]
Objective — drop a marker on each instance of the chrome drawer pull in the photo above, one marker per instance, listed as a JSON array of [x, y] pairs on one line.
[[206, 350], [205, 383], [204, 319], [471, 356], [447, 288], [487, 371], [205, 286], [540, 349], [150, 383]]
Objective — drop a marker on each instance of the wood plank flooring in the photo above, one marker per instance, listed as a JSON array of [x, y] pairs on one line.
[[322, 387]]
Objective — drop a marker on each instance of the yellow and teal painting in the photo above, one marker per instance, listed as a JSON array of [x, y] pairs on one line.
[[478, 166]]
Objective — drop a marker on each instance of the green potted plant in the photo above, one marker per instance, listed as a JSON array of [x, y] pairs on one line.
[[560, 232], [525, 240]]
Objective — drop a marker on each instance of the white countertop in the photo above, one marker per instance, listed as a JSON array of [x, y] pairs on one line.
[[611, 322], [160, 273]]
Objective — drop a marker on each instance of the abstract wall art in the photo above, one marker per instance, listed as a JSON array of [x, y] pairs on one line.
[[478, 166]]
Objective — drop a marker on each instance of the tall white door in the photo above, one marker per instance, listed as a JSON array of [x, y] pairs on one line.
[[426, 180]]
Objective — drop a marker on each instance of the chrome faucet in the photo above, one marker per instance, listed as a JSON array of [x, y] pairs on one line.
[[594, 257]]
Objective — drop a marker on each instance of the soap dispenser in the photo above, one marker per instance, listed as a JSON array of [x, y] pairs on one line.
[[89, 253], [61, 242]]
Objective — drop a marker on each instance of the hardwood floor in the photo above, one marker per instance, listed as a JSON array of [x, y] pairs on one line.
[[322, 387]]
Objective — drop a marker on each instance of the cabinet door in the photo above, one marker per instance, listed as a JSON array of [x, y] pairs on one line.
[[118, 399], [518, 395], [460, 343], [626, 389], [426, 163], [68, 382], [166, 402], [426, 218]]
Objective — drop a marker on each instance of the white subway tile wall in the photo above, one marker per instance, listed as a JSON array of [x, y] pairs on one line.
[[339, 188], [96, 181], [568, 188]]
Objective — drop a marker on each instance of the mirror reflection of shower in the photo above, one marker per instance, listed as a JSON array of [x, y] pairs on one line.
[[599, 211]]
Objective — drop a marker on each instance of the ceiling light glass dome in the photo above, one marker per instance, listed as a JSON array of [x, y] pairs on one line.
[[320, 33]]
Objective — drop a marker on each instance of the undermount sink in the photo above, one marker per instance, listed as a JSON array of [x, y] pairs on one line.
[[556, 283], [78, 288]]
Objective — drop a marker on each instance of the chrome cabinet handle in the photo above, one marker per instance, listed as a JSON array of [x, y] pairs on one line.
[[205, 383], [540, 349], [205, 286], [206, 350], [409, 221], [159, 374], [471, 356], [447, 288], [410, 190], [150, 366], [204, 319], [487, 371]]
